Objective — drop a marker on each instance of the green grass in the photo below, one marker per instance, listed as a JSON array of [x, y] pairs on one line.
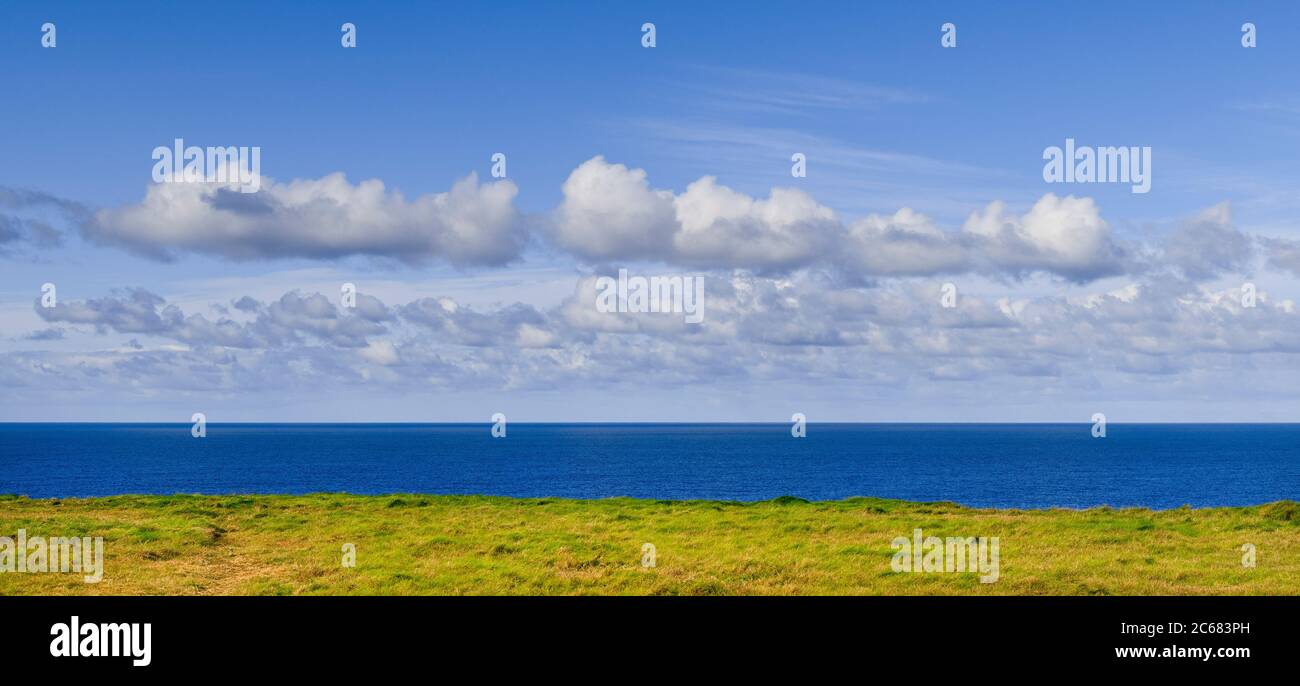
[[422, 544]]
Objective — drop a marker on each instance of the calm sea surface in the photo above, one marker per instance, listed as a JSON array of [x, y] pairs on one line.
[[994, 465]]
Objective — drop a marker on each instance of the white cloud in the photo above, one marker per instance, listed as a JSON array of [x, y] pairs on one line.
[[719, 227], [612, 212], [1065, 236], [471, 224], [905, 243]]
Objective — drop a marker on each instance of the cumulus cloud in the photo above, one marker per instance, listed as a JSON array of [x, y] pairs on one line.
[[611, 212], [135, 311], [719, 227], [471, 224], [1064, 236], [904, 244]]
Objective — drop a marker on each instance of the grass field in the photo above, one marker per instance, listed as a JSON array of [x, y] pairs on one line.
[[415, 544]]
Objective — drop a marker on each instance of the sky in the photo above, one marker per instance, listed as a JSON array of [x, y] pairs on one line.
[[921, 269]]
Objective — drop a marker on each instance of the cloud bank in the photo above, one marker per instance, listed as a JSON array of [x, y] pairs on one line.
[[611, 213]]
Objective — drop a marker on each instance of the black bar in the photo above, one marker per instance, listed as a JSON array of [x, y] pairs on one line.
[[943, 636]]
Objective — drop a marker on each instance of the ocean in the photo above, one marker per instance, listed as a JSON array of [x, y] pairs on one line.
[[982, 465]]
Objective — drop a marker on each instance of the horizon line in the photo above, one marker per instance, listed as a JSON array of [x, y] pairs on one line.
[[658, 423]]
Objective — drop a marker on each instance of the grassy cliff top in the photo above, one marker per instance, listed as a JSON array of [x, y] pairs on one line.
[[424, 544]]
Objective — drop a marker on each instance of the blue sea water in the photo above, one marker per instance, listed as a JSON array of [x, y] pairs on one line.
[[985, 465]]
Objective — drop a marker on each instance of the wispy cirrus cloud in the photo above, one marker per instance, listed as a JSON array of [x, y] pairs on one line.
[[786, 92]]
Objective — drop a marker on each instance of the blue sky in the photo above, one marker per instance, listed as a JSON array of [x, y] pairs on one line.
[[888, 119]]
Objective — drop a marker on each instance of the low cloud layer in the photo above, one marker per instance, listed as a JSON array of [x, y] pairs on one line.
[[756, 330]]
